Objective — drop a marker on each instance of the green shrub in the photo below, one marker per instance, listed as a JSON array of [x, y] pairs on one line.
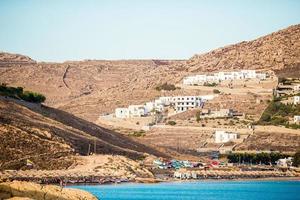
[[18, 93], [172, 123], [210, 84], [198, 119], [296, 159], [140, 133], [256, 158], [166, 86], [215, 91]]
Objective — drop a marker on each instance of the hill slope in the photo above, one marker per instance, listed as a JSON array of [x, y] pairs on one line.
[[14, 59], [278, 51], [90, 88], [39, 133]]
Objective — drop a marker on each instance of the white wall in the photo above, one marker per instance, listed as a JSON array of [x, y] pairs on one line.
[[296, 99], [223, 136], [122, 112]]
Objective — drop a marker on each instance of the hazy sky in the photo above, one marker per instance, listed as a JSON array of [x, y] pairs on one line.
[[59, 30]]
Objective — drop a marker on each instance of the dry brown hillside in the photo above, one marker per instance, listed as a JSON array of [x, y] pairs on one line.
[[14, 59], [40, 133], [90, 88], [279, 51]]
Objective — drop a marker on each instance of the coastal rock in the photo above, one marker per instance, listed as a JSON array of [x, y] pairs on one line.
[[26, 190]]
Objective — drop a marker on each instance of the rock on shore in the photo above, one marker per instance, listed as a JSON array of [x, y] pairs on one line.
[[27, 190]]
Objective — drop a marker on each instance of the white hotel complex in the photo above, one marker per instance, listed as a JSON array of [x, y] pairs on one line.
[[222, 76], [179, 103]]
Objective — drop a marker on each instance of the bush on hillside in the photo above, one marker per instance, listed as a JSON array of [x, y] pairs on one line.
[[256, 158], [172, 123], [210, 84], [215, 91], [278, 113], [19, 93], [296, 159], [166, 86]]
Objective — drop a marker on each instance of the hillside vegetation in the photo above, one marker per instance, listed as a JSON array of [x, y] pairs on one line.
[[19, 93]]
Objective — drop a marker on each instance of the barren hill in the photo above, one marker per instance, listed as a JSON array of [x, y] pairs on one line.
[[13, 59], [39, 133], [278, 51], [91, 88]]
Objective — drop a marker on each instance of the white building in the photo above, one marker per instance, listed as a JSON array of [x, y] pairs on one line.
[[296, 88], [297, 119], [285, 162], [136, 110], [223, 136], [296, 100], [183, 103], [122, 113], [222, 76], [223, 113]]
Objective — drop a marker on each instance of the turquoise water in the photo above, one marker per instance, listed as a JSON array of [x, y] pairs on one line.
[[208, 190]]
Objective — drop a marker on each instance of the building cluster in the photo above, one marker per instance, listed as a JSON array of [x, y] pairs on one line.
[[224, 136], [179, 103], [222, 76]]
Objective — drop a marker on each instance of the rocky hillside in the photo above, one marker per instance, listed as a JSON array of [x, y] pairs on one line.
[[92, 88], [38, 133], [14, 59], [279, 51]]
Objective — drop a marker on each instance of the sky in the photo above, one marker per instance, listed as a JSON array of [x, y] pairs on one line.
[[60, 30]]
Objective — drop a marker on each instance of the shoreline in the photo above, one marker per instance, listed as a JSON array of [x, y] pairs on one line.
[[114, 181]]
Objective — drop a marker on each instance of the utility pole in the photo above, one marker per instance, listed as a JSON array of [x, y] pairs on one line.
[[95, 146], [89, 149]]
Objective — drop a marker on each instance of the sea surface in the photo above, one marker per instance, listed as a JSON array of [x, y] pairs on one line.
[[208, 190]]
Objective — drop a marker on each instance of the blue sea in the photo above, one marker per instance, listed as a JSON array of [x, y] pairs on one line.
[[208, 190]]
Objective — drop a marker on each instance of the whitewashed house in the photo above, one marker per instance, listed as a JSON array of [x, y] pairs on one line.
[[223, 113], [261, 76], [296, 100], [285, 162], [296, 88], [122, 113], [149, 106], [297, 119], [223, 136], [136, 110], [183, 103]]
